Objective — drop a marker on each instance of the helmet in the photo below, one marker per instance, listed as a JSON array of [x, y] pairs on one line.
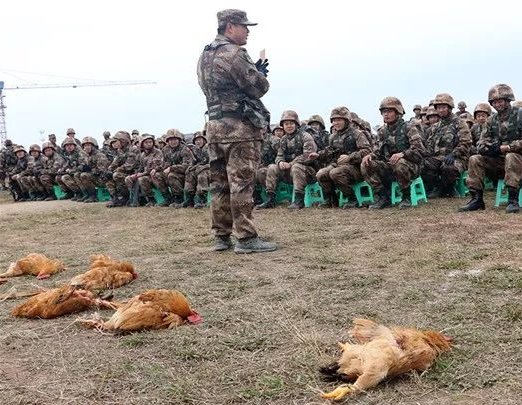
[[122, 136], [70, 131], [444, 98], [90, 139], [68, 141], [354, 116], [461, 104], [199, 134], [417, 107], [46, 145], [174, 133], [52, 136], [467, 117], [34, 147], [424, 110], [501, 91], [106, 134], [482, 107], [392, 102], [341, 112], [135, 132], [144, 137], [431, 102], [18, 148], [8, 142], [162, 139], [431, 111], [289, 115], [517, 104], [316, 118], [275, 126]]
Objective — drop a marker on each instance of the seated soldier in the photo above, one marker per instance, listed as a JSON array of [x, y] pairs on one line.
[[343, 157], [20, 192], [416, 113], [52, 139], [126, 162], [151, 160], [72, 155], [269, 149], [318, 131], [433, 118], [481, 114], [30, 178], [499, 151], [447, 150], [197, 176], [397, 155], [92, 168], [53, 162], [294, 162]]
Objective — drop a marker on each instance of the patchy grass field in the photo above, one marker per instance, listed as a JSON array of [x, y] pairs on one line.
[[270, 320]]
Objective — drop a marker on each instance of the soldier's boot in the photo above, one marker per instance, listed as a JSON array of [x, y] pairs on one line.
[[68, 195], [40, 196], [77, 196], [382, 202], [298, 202], [269, 203], [257, 196], [329, 201], [201, 201], [448, 190], [352, 201], [222, 243], [177, 201], [406, 199], [513, 206], [151, 202], [49, 196], [83, 196], [435, 192], [32, 196], [254, 245], [91, 196], [189, 201], [476, 203]]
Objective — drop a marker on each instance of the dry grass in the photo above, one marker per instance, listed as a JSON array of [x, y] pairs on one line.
[[270, 320]]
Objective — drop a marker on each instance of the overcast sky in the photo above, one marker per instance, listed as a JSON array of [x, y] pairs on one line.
[[322, 54]]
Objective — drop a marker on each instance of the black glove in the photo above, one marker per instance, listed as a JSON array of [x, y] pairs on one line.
[[449, 159], [86, 168], [261, 66], [493, 150]]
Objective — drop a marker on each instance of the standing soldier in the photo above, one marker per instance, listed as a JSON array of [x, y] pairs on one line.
[[7, 161], [197, 174], [52, 164], [93, 166], [72, 155], [343, 158], [71, 134], [233, 86], [397, 156], [447, 150], [481, 114], [499, 151]]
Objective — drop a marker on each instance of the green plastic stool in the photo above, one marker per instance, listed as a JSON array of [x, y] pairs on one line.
[[58, 192], [502, 194], [284, 192], [461, 187], [102, 194], [488, 184], [313, 195], [158, 197], [209, 198], [363, 194], [417, 192]]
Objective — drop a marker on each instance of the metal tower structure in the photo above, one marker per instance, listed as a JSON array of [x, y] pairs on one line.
[[3, 129]]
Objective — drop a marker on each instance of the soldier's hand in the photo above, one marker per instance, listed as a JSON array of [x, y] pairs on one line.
[[313, 155], [261, 66], [366, 160], [284, 165], [343, 160], [396, 157], [505, 148], [153, 172], [449, 159], [167, 170]]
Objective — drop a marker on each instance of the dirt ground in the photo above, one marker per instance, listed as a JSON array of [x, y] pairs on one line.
[[270, 320]]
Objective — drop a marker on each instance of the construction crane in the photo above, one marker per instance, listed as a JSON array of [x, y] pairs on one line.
[[3, 129]]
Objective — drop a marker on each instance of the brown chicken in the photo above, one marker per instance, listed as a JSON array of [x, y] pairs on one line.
[[59, 301], [105, 272], [36, 264], [154, 309], [382, 352]]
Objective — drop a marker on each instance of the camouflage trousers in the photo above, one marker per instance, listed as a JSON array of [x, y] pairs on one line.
[[341, 177], [436, 173], [232, 178], [261, 176], [176, 182], [197, 179], [145, 184], [116, 186], [160, 181], [29, 184], [89, 181], [299, 175], [48, 182], [69, 183], [380, 174], [508, 167]]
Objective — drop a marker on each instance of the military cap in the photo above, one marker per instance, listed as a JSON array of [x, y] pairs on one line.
[[461, 104], [52, 136], [135, 132], [70, 131], [47, 145], [417, 107], [233, 16], [316, 118]]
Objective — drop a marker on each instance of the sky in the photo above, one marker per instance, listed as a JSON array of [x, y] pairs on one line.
[[322, 55]]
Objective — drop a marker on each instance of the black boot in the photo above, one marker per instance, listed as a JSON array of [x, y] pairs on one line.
[[40, 196], [77, 196], [91, 196], [151, 202], [352, 200], [298, 202], [406, 199], [49, 196], [83, 196], [177, 201], [513, 206], [382, 202], [434, 193], [476, 203], [257, 196], [328, 200], [189, 202], [269, 203], [201, 201]]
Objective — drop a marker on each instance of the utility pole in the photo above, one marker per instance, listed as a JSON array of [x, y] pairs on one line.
[[3, 129]]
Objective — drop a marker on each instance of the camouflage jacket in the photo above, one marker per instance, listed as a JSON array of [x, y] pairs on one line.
[[108, 151], [351, 141], [201, 156], [7, 159], [72, 161], [34, 166], [505, 129], [320, 137], [178, 159], [269, 149], [476, 132], [126, 160], [95, 163], [295, 148], [449, 135], [21, 165], [401, 137], [152, 160], [232, 87], [52, 165]]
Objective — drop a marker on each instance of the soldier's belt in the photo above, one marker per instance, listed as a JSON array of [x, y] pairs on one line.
[[225, 114]]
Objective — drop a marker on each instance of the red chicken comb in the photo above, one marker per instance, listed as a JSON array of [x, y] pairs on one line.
[[194, 318]]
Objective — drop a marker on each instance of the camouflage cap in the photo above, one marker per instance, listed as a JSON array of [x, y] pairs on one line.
[[68, 141], [197, 135], [18, 148], [91, 140], [501, 91], [424, 110], [316, 118], [144, 137], [51, 136], [71, 131], [47, 145], [417, 107], [35, 147], [340, 112], [122, 136], [233, 16], [431, 111], [461, 104], [392, 103], [482, 107], [174, 133], [135, 132], [289, 115], [444, 98]]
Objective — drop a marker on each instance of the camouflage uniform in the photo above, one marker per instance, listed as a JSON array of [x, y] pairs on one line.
[[30, 176], [7, 161], [71, 134], [399, 137], [20, 193], [462, 109], [233, 87], [66, 178], [478, 129], [197, 176], [416, 117], [447, 151], [51, 166], [343, 157], [52, 140], [320, 137], [269, 149], [92, 170]]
